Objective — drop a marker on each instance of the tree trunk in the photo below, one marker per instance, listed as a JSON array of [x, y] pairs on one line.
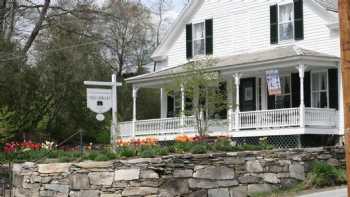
[[37, 27], [2, 16]]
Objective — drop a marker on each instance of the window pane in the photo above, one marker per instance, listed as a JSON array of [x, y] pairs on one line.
[[323, 100], [286, 13], [287, 86], [198, 47], [198, 31], [315, 82], [286, 31], [316, 99], [323, 81]]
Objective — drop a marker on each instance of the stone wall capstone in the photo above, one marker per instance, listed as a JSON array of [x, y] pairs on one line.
[[236, 174]]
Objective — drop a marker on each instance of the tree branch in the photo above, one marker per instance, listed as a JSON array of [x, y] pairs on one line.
[[37, 27]]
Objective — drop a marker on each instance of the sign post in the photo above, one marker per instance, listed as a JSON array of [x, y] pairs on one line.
[[102, 100]]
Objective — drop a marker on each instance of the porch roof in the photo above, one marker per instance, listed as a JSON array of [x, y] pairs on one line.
[[238, 62]]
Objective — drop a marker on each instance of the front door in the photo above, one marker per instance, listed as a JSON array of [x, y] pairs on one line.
[[247, 94]]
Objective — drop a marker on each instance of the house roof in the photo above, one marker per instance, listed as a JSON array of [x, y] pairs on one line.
[[263, 56], [330, 5]]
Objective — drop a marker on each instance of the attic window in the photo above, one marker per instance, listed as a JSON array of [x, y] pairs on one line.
[[286, 22], [198, 39]]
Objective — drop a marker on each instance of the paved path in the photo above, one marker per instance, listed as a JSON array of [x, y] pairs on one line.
[[333, 193]]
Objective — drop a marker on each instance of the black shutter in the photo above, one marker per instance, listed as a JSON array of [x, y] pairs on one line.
[[270, 101], [298, 20], [209, 36], [171, 112], [333, 88], [295, 89], [273, 24], [307, 89], [189, 53]]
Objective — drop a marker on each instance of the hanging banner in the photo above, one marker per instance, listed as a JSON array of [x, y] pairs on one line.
[[99, 100], [273, 82]]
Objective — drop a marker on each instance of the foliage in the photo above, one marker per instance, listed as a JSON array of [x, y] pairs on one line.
[[321, 175], [223, 144], [202, 87], [325, 175], [199, 148]]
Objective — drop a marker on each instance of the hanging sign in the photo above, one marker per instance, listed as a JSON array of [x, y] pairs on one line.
[[273, 82], [99, 100]]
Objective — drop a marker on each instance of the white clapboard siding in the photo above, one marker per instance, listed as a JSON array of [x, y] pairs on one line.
[[244, 26]]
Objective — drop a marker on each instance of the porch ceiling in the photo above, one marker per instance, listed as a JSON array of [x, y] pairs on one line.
[[278, 57]]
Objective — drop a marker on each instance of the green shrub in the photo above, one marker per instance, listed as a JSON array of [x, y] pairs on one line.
[[199, 149], [325, 175], [182, 147], [162, 151], [103, 137], [101, 157], [127, 152], [223, 145], [147, 153], [91, 156]]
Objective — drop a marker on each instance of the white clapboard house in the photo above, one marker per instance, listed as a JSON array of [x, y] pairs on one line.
[[299, 39]]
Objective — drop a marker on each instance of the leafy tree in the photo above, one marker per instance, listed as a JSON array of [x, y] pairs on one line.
[[203, 88]]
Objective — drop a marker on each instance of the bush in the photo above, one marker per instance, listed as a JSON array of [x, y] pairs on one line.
[[223, 145], [101, 157], [325, 175], [103, 137], [162, 151], [127, 152], [199, 149], [182, 147], [147, 153]]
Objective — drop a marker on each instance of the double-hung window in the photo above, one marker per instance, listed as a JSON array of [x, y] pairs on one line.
[[286, 22], [284, 100], [319, 89], [198, 39]]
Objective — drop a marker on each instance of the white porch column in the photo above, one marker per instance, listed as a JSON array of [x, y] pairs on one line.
[[229, 88], [163, 103], [301, 69], [263, 93], [134, 97], [182, 122], [237, 77], [341, 102]]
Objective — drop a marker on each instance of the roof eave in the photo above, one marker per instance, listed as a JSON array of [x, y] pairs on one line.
[[333, 59]]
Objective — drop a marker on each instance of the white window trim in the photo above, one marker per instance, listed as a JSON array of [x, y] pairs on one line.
[[278, 23], [290, 89], [205, 44], [327, 89]]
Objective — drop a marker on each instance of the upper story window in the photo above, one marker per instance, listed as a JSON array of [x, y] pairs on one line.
[[286, 22], [198, 39]]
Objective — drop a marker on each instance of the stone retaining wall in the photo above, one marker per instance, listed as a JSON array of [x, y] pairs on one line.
[[236, 174]]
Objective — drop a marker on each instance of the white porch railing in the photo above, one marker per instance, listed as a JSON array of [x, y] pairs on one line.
[[269, 118], [265, 119], [157, 127], [321, 117]]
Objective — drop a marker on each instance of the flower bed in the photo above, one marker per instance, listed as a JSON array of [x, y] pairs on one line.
[[147, 148]]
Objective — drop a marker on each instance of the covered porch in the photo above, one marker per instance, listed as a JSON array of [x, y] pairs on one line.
[[308, 104]]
